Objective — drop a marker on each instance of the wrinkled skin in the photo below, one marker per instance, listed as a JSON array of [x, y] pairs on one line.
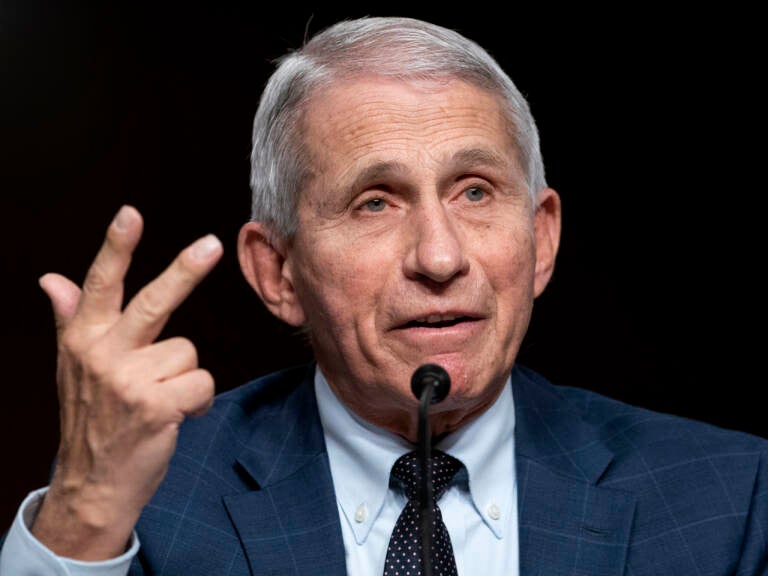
[[417, 242]]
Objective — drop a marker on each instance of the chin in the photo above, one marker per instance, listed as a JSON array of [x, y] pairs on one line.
[[473, 385]]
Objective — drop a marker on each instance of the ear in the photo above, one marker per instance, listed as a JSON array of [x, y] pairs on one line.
[[547, 223], [264, 262]]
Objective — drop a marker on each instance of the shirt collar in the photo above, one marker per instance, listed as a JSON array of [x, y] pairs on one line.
[[361, 456]]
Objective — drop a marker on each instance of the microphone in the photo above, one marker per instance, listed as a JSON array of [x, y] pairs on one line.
[[430, 383], [434, 377]]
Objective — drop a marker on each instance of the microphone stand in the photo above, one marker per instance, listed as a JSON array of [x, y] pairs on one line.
[[426, 489], [430, 384]]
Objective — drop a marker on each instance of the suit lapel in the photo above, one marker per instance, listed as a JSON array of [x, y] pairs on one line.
[[568, 524], [292, 519]]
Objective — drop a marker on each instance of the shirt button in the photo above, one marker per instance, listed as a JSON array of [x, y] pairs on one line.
[[494, 512], [361, 513]]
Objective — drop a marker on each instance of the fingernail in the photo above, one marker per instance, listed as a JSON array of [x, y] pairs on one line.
[[122, 218], [205, 246]]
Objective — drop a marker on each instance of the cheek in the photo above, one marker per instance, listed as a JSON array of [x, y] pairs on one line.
[[510, 276], [339, 285], [509, 262]]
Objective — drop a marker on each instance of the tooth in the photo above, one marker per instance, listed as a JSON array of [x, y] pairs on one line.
[[437, 318]]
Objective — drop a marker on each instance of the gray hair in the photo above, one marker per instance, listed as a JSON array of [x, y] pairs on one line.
[[394, 47]]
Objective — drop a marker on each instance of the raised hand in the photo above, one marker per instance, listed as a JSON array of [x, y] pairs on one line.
[[122, 395]]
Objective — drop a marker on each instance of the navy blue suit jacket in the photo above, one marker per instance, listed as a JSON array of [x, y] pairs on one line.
[[604, 489]]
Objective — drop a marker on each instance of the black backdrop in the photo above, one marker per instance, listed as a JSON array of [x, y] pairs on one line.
[[650, 131]]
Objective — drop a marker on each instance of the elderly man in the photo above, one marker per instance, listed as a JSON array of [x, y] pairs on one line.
[[400, 217]]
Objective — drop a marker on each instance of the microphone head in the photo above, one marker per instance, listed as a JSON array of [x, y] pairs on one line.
[[434, 375]]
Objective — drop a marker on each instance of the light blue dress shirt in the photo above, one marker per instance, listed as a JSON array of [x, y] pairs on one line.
[[480, 509], [24, 555]]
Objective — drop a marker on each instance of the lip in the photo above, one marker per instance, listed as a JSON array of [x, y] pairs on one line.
[[446, 330], [406, 320]]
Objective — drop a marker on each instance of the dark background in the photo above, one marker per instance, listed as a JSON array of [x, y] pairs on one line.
[[650, 129]]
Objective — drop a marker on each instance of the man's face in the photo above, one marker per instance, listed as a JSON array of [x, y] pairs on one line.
[[416, 242]]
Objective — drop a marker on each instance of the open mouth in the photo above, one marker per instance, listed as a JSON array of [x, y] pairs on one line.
[[437, 322]]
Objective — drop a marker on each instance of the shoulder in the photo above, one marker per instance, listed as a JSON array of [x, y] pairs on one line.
[[628, 428], [696, 485], [265, 388], [653, 454], [674, 461]]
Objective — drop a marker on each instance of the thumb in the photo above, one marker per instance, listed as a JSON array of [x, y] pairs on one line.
[[64, 296]]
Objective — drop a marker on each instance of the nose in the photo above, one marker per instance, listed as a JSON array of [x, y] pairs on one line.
[[436, 249]]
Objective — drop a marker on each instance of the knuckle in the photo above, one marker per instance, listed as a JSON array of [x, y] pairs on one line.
[[203, 385], [143, 408], [134, 398], [92, 358], [97, 280], [204, 388], [207, 383], [70, 342], [146, 406], [149, 305], [186, 349], [100, 367]]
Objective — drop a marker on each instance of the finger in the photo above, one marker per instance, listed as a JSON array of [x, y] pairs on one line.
[[191, 393], [164, 360], [148, 311], [102, 296], [64, 296]]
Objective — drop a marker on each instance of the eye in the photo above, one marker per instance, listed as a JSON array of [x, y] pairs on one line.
[[474, 194], [375, 205]]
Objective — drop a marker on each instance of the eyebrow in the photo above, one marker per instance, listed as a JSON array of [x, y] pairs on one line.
[[468, 157], [479, 156], [376, 172], [461, 160]]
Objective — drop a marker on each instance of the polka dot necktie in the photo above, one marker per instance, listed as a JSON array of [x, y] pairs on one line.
[[404, 552]]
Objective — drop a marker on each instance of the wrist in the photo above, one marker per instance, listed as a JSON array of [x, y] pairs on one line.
[[83, 525]]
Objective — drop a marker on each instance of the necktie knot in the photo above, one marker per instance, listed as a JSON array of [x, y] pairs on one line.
[[443, 468]]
